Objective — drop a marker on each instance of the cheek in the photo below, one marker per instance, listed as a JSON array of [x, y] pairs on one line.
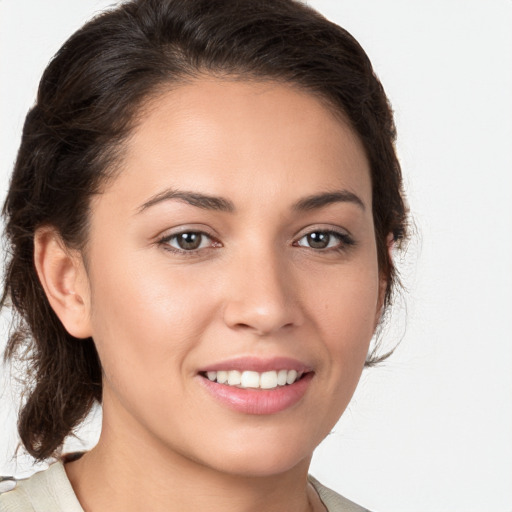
[[346, 301], [341, 305], [146, 318], [346, 308]]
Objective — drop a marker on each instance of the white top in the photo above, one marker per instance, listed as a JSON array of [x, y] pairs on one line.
[[51, 491]]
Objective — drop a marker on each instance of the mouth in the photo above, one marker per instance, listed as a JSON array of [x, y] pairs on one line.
[[254, 380], [254, 386]]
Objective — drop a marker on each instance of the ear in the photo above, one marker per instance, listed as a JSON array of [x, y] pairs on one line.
[[383, 281], [64, 280]]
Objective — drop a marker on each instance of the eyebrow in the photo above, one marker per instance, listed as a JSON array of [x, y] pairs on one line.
[[317, 201], [207, 202], [203, 201]]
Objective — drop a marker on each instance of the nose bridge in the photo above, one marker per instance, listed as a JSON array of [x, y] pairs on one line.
[[261, 294]]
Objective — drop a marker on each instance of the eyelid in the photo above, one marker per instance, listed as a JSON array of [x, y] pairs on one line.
[[166, 236], [323, 228], [186, 228], [345, 238]]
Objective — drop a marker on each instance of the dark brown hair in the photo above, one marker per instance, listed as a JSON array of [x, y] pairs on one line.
[[88, 101]]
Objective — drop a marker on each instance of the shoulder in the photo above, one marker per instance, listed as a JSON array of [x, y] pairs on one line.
[[333, 501], [46, 490], [51, 490]]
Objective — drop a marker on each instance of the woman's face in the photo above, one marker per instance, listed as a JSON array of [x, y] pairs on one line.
[[236, 243]]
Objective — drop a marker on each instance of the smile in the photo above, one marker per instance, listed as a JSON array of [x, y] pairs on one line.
[[255, 380], [258, 387]]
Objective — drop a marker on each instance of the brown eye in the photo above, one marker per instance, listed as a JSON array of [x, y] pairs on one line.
[[318, 240], [188, 241], [325, 240]]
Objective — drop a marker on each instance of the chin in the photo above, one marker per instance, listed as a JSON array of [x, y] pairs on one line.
[[262, 466], [263, 456]]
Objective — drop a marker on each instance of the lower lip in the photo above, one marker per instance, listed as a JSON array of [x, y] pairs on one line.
[[258, 401]]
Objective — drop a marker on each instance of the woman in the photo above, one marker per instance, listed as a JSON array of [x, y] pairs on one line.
[[201, 218]]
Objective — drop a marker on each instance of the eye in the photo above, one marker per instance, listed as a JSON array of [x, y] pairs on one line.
[[187, 241], [324, 240]]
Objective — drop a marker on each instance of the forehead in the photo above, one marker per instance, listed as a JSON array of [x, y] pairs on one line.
[[224, 136]]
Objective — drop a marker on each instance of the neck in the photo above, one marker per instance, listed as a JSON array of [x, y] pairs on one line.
[[124, 471]]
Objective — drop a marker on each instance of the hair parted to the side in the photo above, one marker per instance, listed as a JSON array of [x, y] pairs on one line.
[[88, 101]]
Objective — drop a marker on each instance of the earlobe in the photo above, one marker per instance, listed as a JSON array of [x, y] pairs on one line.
[[62, 275]]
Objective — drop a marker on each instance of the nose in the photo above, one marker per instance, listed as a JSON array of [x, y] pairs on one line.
[[262, 295]]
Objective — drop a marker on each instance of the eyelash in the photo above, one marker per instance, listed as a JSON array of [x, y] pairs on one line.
[[345, 241], [166, 240]]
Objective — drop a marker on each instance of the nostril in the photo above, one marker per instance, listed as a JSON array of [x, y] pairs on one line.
[[262, 320]]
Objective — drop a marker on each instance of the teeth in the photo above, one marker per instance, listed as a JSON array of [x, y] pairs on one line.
[[234, 378], [290, 378], [281, 377], [268, 380], [250, 379]]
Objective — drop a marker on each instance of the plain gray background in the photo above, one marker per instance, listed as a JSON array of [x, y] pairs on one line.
[[431, 429]]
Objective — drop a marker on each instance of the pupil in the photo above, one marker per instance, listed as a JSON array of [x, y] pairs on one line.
[[189, 241], [318, 240]]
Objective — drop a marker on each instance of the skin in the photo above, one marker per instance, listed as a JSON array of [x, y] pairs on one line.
[[255, 287]]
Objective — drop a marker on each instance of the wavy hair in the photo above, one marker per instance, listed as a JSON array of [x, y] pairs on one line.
[[88, 101]]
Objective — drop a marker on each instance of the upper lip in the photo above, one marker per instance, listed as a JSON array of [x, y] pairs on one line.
[[257, 364]]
